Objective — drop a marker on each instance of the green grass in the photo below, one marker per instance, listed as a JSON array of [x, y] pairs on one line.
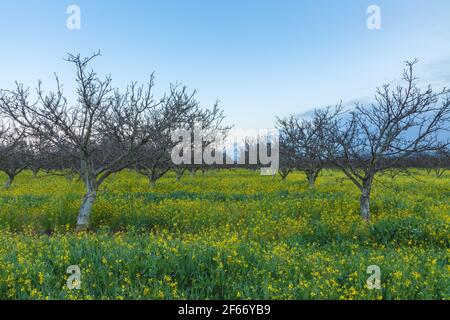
[[226, 235]]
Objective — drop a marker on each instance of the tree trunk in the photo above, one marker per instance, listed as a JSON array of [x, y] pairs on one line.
[[90, 182], [311, 181], [364, 203], [9, 181], [312, 177], [364, 200], [179, 173], [439, 172], [151, 182], [84, 214], [284, 173]]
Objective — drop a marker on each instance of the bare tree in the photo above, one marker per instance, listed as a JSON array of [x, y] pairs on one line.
[[102, 132], [206, 133], [288, 160], [14, 153], [154, 159], [301, 142], [403, 122]]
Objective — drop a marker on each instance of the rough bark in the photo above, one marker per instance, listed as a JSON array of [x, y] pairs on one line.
[[364, 200], [84, 213], [9, 181], [312, 177], [90, 182], [151, 182], [311, 181]]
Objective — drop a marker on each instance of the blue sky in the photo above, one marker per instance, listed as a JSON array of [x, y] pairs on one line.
[[260, 58]]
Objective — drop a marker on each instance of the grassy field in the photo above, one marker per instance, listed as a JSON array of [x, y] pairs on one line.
[[226, 235]]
